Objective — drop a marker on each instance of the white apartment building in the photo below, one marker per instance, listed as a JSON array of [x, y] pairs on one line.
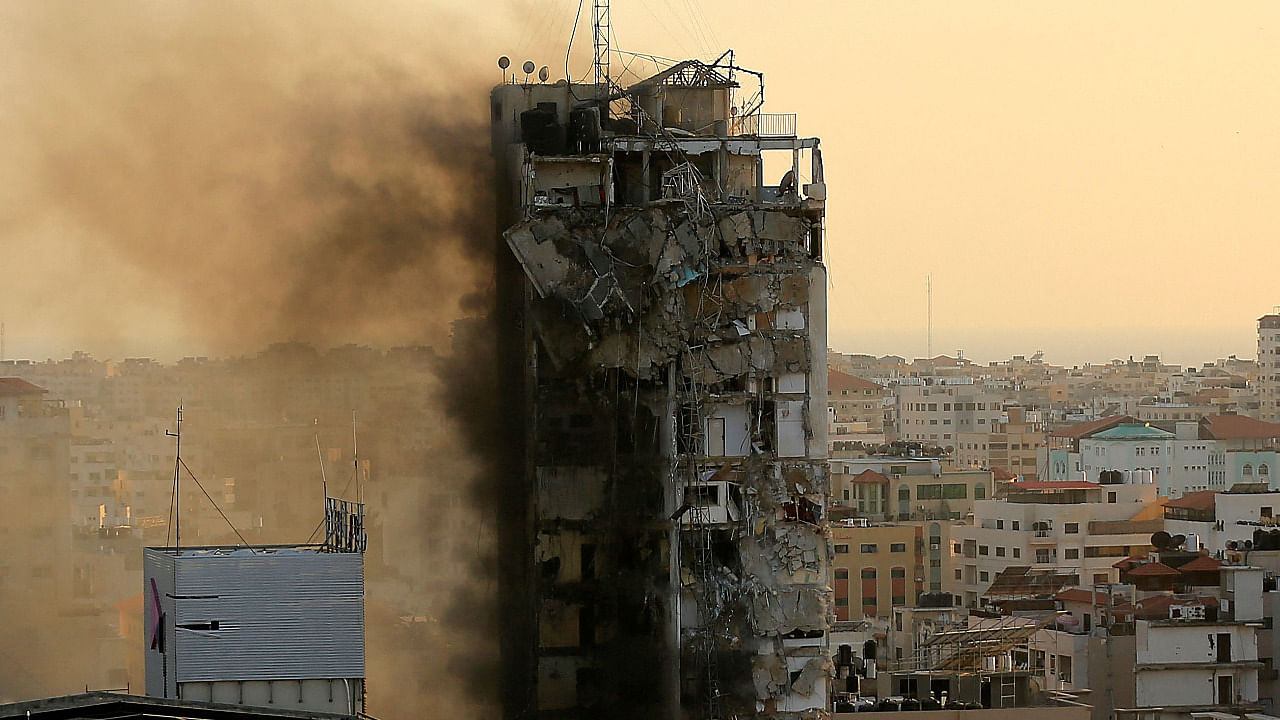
[[1197, 664], [1269, 367], [1071, 526], [92, 484], [936, 412], [1214, 519], [1213, 453]]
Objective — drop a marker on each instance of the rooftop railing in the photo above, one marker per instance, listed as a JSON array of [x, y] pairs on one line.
[[764, 125]]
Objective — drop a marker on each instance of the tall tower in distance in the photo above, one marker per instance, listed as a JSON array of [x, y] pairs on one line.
[[1269, 367], [663, 545]]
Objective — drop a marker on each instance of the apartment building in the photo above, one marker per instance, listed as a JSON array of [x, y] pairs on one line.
[[935, 412], [1269, 367], [877, 567], [1213, 453], [892, 488], [1213, 519], [855, 412], [1014, 443], [1074, 526]]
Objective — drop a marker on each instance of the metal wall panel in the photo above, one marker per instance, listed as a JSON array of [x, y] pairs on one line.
[[281, 615], [157, 566]]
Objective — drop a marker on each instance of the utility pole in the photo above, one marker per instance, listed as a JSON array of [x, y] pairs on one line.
[[600, 24]]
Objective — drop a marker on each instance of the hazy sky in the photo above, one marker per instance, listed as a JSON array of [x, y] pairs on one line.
[[1095, 179]]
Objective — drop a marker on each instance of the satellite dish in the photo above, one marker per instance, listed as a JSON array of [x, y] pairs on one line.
[[529, 67], [1248, 544], [504, 62], [1178, 541], [1232, 545], [1161, 539], [544, 74]]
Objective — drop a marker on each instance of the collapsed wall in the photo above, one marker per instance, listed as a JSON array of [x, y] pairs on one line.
[[674, 360]]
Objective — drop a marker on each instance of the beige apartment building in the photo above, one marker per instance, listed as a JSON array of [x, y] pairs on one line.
[[875, 568], [1082, 528], [893, 488], [1269, 367], [936, 413], [1013, 444]]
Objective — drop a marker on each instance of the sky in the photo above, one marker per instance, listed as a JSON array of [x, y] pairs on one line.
[[1091, 179]]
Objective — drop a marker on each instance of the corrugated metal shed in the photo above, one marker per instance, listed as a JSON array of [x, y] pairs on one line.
[[274, 614]]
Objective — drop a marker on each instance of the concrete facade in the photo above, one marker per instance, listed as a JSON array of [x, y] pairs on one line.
[[665, 309]]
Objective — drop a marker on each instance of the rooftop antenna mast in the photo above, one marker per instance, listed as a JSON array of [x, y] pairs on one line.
[[600, 24], [176, 434], [929, 291], [355, 457]]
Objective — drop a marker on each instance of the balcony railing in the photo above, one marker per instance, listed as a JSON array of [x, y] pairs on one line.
[[764, 125]]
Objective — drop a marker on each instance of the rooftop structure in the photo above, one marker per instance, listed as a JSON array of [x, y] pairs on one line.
[[113, 706], [279, 626]]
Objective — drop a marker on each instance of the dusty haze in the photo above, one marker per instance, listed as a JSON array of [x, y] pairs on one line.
[[314, 172], [286, 171]]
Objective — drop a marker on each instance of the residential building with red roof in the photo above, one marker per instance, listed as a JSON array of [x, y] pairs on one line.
[[900, 489], [1213, 518], [855, 411], [1211, 453]]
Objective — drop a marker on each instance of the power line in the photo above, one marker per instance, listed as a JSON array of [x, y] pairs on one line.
[[215, 505]]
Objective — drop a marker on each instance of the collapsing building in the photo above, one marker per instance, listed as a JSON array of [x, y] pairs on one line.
[[663, 536]]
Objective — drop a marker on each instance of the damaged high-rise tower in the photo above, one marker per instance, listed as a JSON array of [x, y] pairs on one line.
[[663, 548]]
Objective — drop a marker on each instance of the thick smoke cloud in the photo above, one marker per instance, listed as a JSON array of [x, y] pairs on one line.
[[277, 171], [267, 172]]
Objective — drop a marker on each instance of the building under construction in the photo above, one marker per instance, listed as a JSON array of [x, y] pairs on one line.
[[662, 545]]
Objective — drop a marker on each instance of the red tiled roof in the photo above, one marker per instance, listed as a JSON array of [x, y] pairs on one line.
[[1152, 569], [837, 381], [1131, 560], [1054, 485], [1088, 428], [1157, 606], [1237, 427], [1199, 500], [1204, 563], [1002, 475], [18, 386], [869, 477], [1081, 595]]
